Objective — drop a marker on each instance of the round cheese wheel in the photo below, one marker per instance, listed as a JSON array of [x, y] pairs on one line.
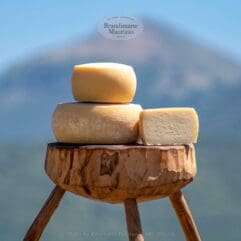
[[89, 123], [104, 82]]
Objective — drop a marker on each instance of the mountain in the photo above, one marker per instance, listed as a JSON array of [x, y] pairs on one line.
[[172, 70]]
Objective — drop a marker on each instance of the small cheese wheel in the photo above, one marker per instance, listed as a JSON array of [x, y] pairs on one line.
[[90, 123], [169, 126], [104, 83]]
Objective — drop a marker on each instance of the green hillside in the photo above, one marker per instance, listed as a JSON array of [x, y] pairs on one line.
[[213, 198]]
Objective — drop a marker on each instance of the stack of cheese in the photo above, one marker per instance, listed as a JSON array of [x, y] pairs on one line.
[[104, 114]]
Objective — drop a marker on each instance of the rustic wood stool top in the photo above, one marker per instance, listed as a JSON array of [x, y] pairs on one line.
[[115, 174]]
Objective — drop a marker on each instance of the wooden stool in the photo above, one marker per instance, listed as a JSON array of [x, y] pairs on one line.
[[120, 174]]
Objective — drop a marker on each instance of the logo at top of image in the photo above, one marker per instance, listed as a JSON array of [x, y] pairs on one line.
[[120, 28]]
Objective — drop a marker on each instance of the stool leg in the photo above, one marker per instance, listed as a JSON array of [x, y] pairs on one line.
[[184, 215], [133, 220], [44, 215]]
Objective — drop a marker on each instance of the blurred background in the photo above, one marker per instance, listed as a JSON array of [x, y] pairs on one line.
[[189, 54]]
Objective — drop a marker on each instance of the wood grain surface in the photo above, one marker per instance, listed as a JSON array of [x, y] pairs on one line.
[[42, 219], [114, 173], [184, 215], [133, 220]]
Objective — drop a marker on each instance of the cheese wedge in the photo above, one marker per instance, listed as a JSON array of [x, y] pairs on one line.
[[88, 123], [169, 126], [104, 82]]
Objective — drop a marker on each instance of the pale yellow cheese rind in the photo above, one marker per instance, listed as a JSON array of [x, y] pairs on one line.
[[104, 83], [169, 126], [88, 123]]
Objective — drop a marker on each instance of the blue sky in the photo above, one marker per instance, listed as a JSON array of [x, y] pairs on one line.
[[27, 27]]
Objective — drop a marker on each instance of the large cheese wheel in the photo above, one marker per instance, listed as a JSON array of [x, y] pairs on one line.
[[169, 126], [104, 82], [88, 123]]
